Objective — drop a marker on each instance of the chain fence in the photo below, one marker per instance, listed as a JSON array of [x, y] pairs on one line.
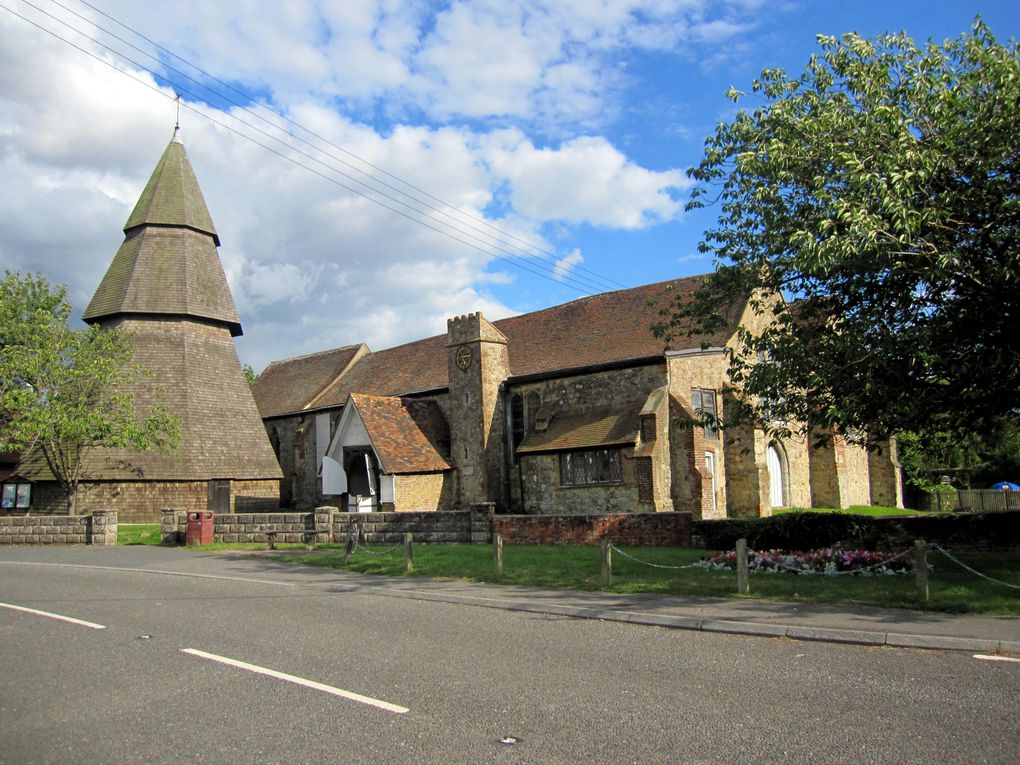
[[653, 565], [778, 562], [963, 565], [364, 548]]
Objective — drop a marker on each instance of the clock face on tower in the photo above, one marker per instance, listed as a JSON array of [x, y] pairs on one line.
[[463, 357]]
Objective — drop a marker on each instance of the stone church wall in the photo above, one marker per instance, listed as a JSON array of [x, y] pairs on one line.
[[543, 493], [540, 478]]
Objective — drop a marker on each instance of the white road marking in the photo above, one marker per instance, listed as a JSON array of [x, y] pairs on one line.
[[350, 695], [986, 657], [150, 571], [58, 617]]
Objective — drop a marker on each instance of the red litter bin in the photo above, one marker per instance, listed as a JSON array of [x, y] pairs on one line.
[[200, 528]]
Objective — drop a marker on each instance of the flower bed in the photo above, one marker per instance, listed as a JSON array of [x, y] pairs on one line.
[[827, 562]]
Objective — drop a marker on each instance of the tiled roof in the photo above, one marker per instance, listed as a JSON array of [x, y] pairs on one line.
[[168, 262], [409, 436], [294, 384], [587, 430], [416, 366], [601, 329], [604, 328]]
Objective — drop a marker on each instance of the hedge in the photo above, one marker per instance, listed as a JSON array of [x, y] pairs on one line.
[[813, 531]]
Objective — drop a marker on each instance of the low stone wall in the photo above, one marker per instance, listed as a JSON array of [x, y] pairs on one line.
[[644, 529], [331, 525], [99, 528], [475, 525]]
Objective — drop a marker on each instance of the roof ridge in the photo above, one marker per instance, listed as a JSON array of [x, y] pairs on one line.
[[315, 353]]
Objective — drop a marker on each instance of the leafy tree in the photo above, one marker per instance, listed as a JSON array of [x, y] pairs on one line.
[[66, 392], [879, 191], [249, 374], [975, 459]]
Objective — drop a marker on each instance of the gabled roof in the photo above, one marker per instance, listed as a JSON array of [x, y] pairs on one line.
[[408, 435], [294, 384], [611, 327], [168, 263]]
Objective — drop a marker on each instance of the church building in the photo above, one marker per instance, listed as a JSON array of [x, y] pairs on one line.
[[572, 409]]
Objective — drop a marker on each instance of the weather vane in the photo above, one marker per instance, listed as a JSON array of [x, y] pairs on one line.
[[177, 125]]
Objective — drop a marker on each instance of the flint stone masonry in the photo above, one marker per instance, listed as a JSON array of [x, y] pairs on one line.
[[99, 528]]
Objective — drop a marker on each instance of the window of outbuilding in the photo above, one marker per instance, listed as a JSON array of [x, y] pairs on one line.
[[16, 496], [591, 467], [703, 401]]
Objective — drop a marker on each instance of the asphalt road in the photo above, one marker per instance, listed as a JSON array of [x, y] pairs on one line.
[[565, 690]]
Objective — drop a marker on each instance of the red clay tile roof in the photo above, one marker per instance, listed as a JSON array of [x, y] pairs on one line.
[[409, 435], [293, 384], [600, 329]]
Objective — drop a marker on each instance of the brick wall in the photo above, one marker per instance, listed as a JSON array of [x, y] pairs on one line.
[[645, 529], [424, 491], [100, 528]]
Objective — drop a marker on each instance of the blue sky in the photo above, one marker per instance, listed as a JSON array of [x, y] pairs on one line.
[[566, 124]]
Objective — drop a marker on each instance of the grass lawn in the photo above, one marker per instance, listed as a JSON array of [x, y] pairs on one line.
[[873, 510], [138, 533], [952, 588]]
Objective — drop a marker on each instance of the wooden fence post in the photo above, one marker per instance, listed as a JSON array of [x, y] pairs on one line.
[[921, 567], [497, 553], [348, 545], [607, 562], [408, 554], [743, 587]]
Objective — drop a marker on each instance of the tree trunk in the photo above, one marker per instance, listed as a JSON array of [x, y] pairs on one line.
[[70, 499]]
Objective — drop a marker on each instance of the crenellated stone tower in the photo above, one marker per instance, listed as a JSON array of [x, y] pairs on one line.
[[478, 364], [167, 286]]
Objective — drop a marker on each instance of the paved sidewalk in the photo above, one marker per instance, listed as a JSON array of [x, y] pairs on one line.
[[837, 624]]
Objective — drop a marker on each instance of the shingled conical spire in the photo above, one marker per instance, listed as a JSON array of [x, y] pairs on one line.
[[168, 264], [166, 287]]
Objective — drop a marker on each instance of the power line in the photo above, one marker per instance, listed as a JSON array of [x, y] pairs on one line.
[[528, 262], [339, 148]]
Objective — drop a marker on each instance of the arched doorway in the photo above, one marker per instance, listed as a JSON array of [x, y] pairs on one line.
[[774, 462]]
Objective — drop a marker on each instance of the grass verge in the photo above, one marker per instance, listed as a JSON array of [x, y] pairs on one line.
[[952, 589], [138, 533], [871, 510]]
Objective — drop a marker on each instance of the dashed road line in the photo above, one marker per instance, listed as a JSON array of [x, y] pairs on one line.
[[350, 695], [58, 617], [987, 657], [156, 571]]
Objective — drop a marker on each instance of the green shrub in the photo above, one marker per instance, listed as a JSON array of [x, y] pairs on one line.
[[813, 531]]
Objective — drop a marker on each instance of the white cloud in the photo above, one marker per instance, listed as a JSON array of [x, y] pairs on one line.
[[311, 264], [565, 264], [550, 63], [585, 180]]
